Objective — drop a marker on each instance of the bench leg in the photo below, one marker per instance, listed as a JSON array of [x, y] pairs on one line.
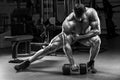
[[28, 46], [14, 49], [14, 53]]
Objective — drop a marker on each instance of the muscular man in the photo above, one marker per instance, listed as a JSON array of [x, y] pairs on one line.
[[81, 25]]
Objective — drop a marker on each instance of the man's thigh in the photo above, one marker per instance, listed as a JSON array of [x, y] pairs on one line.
[[91, 41], [57, 41]]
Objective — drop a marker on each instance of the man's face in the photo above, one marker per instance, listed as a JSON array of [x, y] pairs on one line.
[[79, 11], [79, 16]]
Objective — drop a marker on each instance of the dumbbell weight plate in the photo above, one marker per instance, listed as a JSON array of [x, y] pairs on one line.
[[66, 69], [83, 68]]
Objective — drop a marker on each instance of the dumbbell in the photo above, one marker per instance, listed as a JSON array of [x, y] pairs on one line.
[[67, 69]]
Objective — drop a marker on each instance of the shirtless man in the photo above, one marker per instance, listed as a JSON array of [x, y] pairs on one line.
[[81, 25]]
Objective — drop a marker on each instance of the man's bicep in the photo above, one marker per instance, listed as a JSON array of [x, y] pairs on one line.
[[95, 27], [95, 22]]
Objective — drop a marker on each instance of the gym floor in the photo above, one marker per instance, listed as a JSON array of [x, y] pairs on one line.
[[50, 67]]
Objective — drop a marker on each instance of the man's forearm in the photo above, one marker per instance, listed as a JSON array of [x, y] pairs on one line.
[[85, 36], [90, 34]]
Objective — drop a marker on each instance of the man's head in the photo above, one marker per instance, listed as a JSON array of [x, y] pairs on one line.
[[79, 9]]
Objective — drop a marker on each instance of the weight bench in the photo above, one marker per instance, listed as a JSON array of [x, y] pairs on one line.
[[16, 40], [39, 44]]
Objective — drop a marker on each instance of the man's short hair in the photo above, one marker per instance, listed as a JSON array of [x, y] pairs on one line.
[[79, 9]]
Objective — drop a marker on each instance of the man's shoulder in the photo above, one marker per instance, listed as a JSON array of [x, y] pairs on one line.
[[70, 16], [90, 10]]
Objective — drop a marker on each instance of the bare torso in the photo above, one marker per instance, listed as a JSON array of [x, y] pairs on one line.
[[78, 27]]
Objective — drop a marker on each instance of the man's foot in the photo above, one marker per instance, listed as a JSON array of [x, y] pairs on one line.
[[90, 66], [22, 66]]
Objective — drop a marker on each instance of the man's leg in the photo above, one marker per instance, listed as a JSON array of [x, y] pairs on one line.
[[94, 50], [94, 44], [55, 44]]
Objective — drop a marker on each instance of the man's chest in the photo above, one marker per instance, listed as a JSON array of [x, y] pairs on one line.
[[81, 26]]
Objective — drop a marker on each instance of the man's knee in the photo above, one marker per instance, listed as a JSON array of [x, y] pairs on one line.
[[96, 42], [52, 47]]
